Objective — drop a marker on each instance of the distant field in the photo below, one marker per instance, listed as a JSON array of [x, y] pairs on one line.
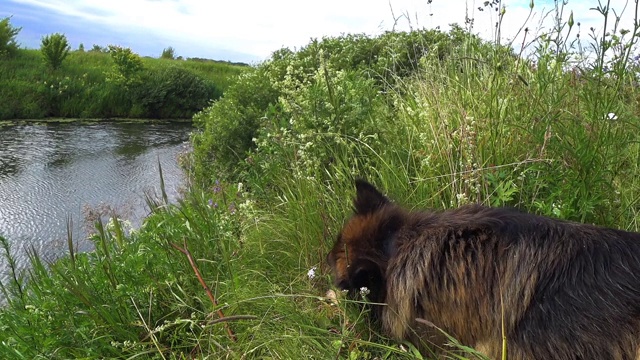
[[30, 90]]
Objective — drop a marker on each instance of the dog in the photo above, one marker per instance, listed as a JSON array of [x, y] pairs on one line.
[[550, 289]]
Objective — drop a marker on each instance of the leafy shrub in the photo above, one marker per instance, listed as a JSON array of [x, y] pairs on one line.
[[8, 33], [55, 49], [338, 113], [127, 66], [333, 85], [174, 92], [229, 126]]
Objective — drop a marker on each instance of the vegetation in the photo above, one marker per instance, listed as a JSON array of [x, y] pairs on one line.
[[79, 88], [127, 67], [438, 119], [8, 33], [168, 53], [103, 82], [55, 48]]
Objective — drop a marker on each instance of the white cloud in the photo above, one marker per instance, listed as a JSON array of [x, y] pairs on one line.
[[260, 27]]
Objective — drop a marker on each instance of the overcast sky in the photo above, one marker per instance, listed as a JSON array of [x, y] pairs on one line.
[[250, 30]]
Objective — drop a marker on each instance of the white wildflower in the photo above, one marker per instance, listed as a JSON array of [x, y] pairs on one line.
[[364, 291], [462, 198], [312, 273], [612, 116]]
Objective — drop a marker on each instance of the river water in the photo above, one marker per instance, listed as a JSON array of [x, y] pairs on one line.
[[51, 172]]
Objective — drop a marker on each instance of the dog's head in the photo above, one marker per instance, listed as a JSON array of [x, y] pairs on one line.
[[365, 244]]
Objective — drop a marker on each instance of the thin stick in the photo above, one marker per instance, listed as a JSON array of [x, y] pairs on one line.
[[187, 253]]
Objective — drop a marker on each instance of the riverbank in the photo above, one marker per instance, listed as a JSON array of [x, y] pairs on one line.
[[91, 121], [81, 87]]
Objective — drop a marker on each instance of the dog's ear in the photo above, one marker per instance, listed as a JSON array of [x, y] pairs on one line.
[[368, 198]]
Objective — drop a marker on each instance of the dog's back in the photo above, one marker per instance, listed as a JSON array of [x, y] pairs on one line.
[[562, 290]]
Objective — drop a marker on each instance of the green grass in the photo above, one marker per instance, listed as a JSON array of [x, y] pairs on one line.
[[220, 73], [273, 168], [30, 90]]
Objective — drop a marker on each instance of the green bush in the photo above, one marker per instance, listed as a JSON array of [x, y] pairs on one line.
[[127, 66], [229, 126], [55, 49], [174, 92], [472, 109], [335, 86]]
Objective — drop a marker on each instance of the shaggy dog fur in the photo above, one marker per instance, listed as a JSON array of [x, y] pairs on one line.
[[562, 290]]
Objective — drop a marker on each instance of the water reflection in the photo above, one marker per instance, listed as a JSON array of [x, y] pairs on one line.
[[48, 172], [9, 166]]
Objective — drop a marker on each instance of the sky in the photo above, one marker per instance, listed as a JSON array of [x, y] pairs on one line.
[[250, 30]]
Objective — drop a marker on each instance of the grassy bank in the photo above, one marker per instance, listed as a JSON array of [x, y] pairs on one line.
[[437, 119], [80, 88]]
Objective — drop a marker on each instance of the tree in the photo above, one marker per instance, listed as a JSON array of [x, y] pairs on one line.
[[8, 33], [81, 47], [55, 49], [127, 66], [97, 48], [168, 53]]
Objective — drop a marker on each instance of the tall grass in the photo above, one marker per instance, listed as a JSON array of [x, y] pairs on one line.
[[436, 119]]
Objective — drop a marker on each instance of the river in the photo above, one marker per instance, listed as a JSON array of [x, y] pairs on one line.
[[50, 172]]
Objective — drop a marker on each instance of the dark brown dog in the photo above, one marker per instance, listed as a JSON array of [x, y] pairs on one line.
[[560, 290]]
